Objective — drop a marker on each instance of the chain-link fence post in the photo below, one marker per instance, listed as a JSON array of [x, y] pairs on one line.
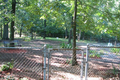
[[82, 59], [86, 64], [44, 68], [49, 49]]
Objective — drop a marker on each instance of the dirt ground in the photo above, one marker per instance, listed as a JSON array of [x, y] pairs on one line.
[[60, 62]]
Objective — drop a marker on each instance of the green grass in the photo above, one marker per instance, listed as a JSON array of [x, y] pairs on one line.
[[115, 50], [1, 44], [63, 39], [55, 39], [39, 37], [94, 53], [47, 38], [26, 38], [86, 41], [49, 46], [66, 46]]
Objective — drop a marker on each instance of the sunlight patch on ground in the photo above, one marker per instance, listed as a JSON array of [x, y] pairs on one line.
[[65, 76], [93, 78], [56, 64], [69, 76], [58, 54], [17, 36]]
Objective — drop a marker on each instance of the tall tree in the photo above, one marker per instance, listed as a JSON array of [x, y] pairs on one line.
[[12, 22], [44, 29], [74, 61], [66, 33], [70, 33], [70, 36], [5, 31], [1, 31], [79, 35]]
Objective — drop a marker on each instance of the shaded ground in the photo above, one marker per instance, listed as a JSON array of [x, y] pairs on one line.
[[27, 63], [60, 67], [40, 43]]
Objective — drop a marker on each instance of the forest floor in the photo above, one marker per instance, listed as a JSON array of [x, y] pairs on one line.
[[61, 68], [56, 43]]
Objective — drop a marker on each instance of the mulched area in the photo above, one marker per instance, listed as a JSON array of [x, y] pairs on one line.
[[11, 51]]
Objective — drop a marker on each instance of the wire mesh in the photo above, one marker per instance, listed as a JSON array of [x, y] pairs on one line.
[[27, 62], [61, 65], [104, 62]]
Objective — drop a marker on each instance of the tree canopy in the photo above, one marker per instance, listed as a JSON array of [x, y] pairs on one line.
[[92, 15]]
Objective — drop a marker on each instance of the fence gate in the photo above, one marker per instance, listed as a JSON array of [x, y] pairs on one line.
[[104, 62], [60, 67]]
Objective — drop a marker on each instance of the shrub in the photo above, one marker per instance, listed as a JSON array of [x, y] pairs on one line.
[[92, 51], [66, 46], [48, 46], [95, 55], [69, 61], [114, 70], [7, 66], [101, 52], [92, 55], [115, 50]]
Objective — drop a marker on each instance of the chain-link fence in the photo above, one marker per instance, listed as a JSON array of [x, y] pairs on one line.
[[21, 62], [104, 62], [37, 64], [61, 64]]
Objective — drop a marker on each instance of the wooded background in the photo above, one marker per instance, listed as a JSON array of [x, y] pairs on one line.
[[95, 19]]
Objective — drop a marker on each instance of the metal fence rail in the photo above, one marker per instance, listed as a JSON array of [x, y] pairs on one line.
[[27, 62], [104, 61]]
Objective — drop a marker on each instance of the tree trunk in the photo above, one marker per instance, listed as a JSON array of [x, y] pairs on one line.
[[74, 61], [12, 23], [5, 29], [12, 31], [44, 29], [79, 35], [66, 33], [1, 31], [83, 36], [20, 31], [31, 35], [70, 36], [115, 41]]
